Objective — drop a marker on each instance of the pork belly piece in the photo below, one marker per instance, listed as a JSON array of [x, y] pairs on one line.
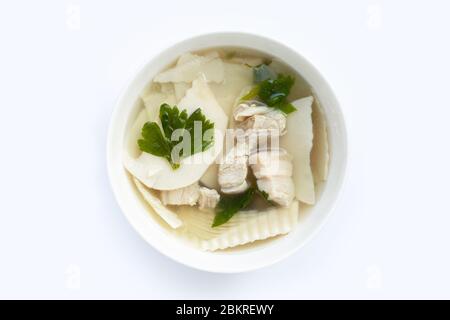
[[232, 174], [250, 108], [273, 171], [208, 198], [257, 116], [280, 189], [269, 163]]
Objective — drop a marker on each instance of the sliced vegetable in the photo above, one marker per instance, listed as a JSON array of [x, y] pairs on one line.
[[164, 212], [299, 141], [236, 77], [319, 152], [209, 67], [152, 102], [245, 227]]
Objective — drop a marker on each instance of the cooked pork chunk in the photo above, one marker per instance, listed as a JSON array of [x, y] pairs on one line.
[[184, 196], [258, 122], [273, 171], [248, 142], [236, 189], [273, 126], [279, 189], [280, 118], [259, 117], [232, 174], [269, 163], [244, 144], [208, 198], [250, 108]]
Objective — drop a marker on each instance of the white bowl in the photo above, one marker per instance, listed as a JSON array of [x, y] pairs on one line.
[[251, 257]]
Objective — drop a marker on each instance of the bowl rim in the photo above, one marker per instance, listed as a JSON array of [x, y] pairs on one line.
[[216, 262]]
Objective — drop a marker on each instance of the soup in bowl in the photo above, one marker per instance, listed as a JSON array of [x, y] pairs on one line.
[[227, 151]]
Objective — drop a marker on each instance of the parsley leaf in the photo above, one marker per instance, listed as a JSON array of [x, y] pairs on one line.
[[161, 143], [275, 91], [200, 141], [153, 141], [230, 204], [272, 90], [171, 119]]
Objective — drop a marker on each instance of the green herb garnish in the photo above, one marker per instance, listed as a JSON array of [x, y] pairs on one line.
[[265, 196], [162, 143], [229, 205], [171, 119], [270, 90], [154, 142], [253, 93], [200, 141], [276, 91]]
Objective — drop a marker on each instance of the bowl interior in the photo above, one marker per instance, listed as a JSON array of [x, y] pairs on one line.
[[245, 257]]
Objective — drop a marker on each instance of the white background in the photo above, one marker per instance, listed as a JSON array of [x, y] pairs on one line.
[[64, 63]]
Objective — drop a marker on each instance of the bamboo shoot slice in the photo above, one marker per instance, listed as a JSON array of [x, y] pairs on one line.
[[164, 212], [298, 140], [245, 227], [319, 152]]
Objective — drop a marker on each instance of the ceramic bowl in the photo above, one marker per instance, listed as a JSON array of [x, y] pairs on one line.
[[250, 257]]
